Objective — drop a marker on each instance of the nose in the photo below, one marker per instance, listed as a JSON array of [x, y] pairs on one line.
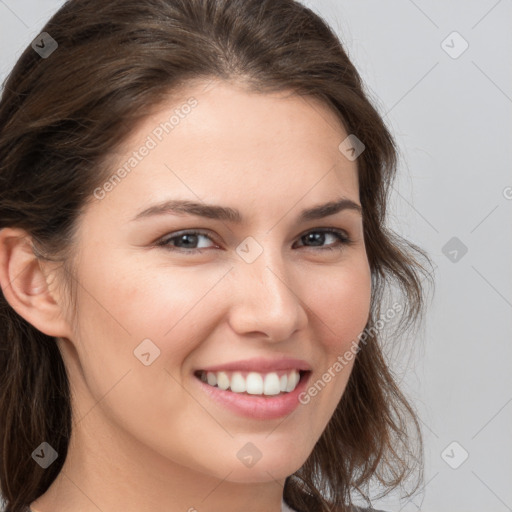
[[264, 300]]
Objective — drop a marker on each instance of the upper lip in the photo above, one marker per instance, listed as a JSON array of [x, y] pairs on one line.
[[259, 364]]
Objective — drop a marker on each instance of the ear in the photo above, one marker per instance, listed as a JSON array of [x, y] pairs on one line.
[[26, 286]]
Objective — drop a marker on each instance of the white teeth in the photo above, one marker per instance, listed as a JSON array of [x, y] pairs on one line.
[[283, 381], [222, 380], [293, 380], [211, 378], [271, 384], [238, 383], [254, 383]]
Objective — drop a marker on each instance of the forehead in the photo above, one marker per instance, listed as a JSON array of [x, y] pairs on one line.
[[225, 141], [226, 117]]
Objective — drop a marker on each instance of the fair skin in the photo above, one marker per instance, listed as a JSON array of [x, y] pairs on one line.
[[147, 437]]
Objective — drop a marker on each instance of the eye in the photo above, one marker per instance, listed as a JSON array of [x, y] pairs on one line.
[[191, 238], [318, 237], [187, 237]]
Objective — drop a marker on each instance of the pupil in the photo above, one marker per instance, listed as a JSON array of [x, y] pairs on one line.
[[317, 236], [185, 237]]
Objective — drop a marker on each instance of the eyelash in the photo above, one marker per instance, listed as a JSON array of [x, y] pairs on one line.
[[342, 237]]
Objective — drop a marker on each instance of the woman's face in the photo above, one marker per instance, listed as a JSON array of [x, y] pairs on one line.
[[265, 286]]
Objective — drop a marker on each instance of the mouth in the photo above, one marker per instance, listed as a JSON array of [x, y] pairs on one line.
[[251, 383]]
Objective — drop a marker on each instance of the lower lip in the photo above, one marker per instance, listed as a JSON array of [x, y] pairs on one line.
[[257, 406]]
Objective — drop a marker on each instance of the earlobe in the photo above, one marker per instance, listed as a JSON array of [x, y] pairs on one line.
[[25, 286]]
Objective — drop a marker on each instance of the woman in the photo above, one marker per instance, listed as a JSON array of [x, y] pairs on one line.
[[193, 259]]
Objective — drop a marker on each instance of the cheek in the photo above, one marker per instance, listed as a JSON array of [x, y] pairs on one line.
[[135, 316], [174, 306], [341, 303], [171, 307]]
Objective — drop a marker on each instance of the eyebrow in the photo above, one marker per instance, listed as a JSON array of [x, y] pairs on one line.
[[210, 211]]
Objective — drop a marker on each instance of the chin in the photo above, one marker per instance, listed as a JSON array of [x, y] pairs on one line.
[[276, 468]]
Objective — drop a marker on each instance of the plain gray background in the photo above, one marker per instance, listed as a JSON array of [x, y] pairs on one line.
[[450, 112]]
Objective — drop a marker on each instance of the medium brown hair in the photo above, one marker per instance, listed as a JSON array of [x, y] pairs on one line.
[[61, 119]]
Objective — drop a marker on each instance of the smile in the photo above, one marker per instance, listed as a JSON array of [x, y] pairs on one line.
[[265, 395], [253, 383]]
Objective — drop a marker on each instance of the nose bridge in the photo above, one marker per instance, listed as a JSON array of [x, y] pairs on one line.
[[268, 275], [264, 299]]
